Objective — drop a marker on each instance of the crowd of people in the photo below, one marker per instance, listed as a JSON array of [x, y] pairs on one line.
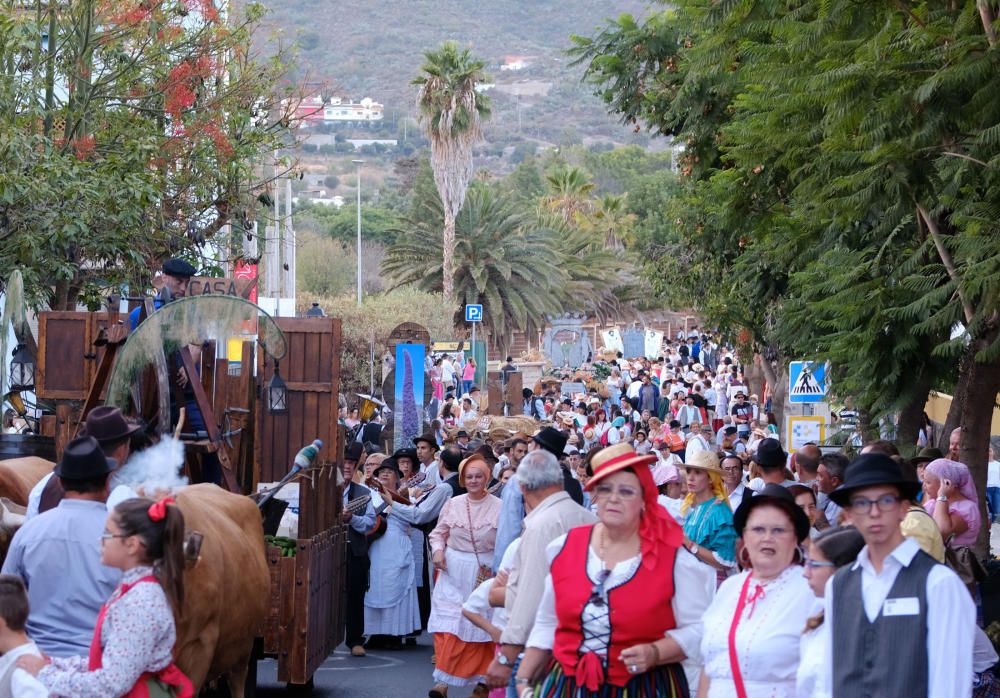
[[659, 541]]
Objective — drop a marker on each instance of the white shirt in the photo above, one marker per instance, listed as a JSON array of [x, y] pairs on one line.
[[811, 679], [767, 637], [119, 494], [736, 496], [695, 444], [993, 473], [691, 598], [23, 684], [951, 618]]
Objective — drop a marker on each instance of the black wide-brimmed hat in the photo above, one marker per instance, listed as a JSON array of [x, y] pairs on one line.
[[83, 459], [428, 438], [353, 451], [107, 424], [770, 454], [926, 455], [870, 470], [778, 496], [388, 464], [410, 453], [552, 440]]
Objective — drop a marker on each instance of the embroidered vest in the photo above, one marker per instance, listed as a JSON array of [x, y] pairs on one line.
[[640, 608]]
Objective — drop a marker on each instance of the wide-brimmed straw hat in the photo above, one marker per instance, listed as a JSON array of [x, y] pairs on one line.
[[704, 460], [615, 458]]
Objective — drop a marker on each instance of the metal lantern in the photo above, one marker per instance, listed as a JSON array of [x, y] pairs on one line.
[[277, 394], [315, 311], [22, 370]]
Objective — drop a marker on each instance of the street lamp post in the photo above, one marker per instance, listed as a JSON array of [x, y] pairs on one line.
[[359, 163]]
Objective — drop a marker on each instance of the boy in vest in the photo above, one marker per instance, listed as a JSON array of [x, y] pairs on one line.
[[14, 641], [903, 624]]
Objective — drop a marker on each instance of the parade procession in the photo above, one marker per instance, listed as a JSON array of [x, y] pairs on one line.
[[520, 349]]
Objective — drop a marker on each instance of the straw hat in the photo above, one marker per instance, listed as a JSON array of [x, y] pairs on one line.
[[704, 460], [472, 460], [614, 458]]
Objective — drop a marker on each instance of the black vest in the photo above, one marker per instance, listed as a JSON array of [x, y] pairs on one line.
[[357, 542], [887, 658]]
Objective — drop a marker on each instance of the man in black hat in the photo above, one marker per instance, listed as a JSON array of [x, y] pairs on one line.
[[361, 525], [58, 554], [902, 623], [427, 448], [772, 460], [554, 441], [175, 276], [114, 433]]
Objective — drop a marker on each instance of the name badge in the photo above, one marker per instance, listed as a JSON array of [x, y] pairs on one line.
[[905, 606]]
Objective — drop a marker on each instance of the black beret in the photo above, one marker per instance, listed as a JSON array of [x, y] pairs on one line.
[[178, 267]]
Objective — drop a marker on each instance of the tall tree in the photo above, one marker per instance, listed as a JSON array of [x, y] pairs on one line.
[[128, 131], [453, 114]]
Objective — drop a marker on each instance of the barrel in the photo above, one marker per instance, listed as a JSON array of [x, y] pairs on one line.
[[23, 445]]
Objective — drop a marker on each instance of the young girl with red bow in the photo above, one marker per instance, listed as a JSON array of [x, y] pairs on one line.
[[134, 638]]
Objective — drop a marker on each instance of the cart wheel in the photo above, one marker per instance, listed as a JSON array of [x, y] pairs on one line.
[[301, 689]]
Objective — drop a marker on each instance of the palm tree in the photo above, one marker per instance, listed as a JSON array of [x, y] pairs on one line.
[[613, 221], [569, 192], [453, 113], [505, 262]]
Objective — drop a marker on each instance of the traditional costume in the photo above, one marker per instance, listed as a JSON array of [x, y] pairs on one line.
[[589, 614], [131, 653]]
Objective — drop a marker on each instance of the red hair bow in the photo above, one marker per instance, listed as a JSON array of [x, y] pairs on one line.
[[158, 510]]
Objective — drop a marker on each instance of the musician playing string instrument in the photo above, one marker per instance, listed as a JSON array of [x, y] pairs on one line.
[[360, 525], [391, 609]]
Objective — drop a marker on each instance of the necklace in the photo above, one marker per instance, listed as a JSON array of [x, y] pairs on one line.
[[601, 545]]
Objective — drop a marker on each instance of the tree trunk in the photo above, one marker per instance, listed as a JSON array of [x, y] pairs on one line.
[[777, 381], [976, 395], [911, 417], [448, 261], [754, 373]]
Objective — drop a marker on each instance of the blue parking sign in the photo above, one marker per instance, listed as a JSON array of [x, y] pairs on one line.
[[474, 313]]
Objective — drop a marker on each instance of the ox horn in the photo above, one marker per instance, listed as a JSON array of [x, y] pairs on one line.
[[12, 514]]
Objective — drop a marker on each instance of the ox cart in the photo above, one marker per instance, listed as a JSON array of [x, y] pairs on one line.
[[85, 359]]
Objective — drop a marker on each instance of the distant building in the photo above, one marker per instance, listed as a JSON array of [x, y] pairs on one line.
[[516, 62], [313, 110]]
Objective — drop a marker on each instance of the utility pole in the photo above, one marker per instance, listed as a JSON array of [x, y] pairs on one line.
[[359, 163]]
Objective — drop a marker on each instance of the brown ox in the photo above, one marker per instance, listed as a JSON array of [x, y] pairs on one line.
[[226, 592], [17, 477]]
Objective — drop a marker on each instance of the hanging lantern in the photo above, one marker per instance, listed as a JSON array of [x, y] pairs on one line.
[[22, 370], [277, 393]]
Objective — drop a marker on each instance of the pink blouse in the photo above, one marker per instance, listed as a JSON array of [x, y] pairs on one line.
[[453, 529], [969, 511]]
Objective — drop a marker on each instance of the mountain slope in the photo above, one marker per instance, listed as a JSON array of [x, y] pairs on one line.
[[375, 48]]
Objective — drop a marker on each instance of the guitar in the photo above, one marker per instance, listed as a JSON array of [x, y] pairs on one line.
[[385, 491], [357, 504]]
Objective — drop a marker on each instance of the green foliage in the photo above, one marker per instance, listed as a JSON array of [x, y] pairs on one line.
[[324, 267], [838, 193], [376, 318], [378, 224], [126, 139]]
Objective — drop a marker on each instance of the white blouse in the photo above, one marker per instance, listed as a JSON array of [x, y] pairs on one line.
[[694, 588], [811, 678], [767, 638]]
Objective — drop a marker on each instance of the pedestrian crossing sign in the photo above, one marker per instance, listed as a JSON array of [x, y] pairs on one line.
[[806, 381]]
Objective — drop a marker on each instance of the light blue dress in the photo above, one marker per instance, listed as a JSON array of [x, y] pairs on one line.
[[391, 606], [710, 525]]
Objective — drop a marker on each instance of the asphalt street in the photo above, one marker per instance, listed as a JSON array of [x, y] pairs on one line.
[[404, 673]]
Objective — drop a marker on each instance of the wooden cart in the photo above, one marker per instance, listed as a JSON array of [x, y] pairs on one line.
[[307, 592]]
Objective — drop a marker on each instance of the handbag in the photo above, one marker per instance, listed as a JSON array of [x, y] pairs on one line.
[[485, 571], [963, 562]]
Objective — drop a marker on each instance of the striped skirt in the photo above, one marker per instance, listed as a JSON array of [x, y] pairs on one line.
[[667, 681]]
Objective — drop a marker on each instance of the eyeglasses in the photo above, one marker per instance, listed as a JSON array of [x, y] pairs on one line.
[[108, 535], [624, 492], [762, 531], [813, 564], [597, 591], [887, 502]]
